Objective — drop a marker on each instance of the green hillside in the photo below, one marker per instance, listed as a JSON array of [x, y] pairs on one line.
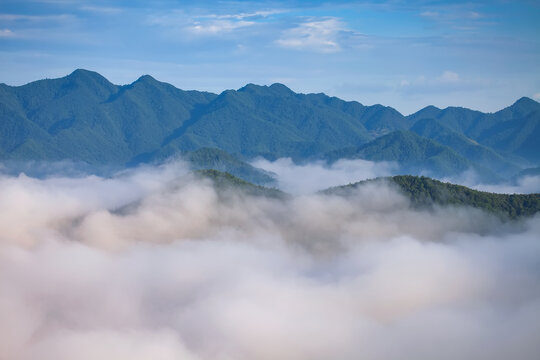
[[425, 192]]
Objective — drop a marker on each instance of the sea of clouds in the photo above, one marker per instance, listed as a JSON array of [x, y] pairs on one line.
[[155, 263]]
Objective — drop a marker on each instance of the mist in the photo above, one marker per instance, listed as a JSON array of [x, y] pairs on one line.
[[317, 175], [156, 263], [308, 178]]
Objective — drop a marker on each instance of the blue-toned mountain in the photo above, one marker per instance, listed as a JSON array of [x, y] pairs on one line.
[[85, 118]]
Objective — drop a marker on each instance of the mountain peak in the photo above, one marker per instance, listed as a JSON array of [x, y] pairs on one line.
[[429, 112], [522, 107], [526, 102], [280, 87], [147, 79], [85, 74], [251, 87], [86, 79], [431, 108], [274, 89]]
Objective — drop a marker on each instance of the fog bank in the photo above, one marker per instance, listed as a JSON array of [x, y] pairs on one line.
[[155, 263]]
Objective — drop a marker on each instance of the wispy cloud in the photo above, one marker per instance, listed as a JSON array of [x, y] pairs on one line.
[[245, 15], [212, 24], [458, 17], [101, 9], [217, 26], [319, 35], [6, 33], [36, 18]]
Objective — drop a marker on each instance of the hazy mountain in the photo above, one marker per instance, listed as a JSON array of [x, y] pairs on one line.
[[414, 154], [464, 146]]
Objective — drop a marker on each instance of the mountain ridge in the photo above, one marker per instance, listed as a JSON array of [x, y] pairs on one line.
[[84, 117], [425, 193]]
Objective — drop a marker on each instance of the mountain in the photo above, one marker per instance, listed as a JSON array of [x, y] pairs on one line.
[[83, 117], [512, 132], [464, 146], [424, 192], [414, 154], [86, 119], [270, 121]]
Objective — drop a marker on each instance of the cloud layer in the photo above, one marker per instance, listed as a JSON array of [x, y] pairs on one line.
[[315, 176], [156, 263]]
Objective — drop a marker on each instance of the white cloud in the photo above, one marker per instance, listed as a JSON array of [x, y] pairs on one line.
[[536, 96], [215, 27], [204, 25], [319, 35], [182, 273], [315, 176], [244, 15]]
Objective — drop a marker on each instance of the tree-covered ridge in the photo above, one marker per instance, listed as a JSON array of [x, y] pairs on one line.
[[513, 131], [84, 118], [225, 181], [426, 192]]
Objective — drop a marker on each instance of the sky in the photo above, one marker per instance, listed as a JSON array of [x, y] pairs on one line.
[[482, 55]]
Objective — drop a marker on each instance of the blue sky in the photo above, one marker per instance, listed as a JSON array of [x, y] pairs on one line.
[[405, 54]]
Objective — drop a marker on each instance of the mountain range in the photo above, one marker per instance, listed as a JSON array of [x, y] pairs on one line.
[[85, 118]]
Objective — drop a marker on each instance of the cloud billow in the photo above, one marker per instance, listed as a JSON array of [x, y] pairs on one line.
[[157, 263]]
